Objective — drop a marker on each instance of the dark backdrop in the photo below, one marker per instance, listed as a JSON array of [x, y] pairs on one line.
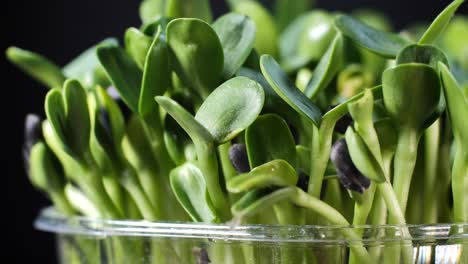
[[61, 29]]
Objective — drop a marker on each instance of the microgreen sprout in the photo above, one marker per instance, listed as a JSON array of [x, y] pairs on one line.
[[295, 119]]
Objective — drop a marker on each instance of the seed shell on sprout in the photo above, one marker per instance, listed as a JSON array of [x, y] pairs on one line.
[[348, 175], [238, 158]]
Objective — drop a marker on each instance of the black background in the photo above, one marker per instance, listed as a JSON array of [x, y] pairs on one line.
[[60, 29]]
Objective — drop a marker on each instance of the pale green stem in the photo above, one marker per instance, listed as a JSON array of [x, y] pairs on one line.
[[94, 189], [208, 164], [154, 131], [361, 213], [404, 163], [460, 185], [321, 147], [334, 217], [114, 189], [61, 203], [431, 152], [132, 185]]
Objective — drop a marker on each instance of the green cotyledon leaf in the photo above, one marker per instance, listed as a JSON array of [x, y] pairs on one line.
[[231, 108], [457, 104], [39, 67], [237, 35], [156, 75], [382, 43], [269, 138], [197, 132], [123, 72], [68, 113], [327, 68], [274, 173], [362, 158], [189, 187], [306, 39], [137, 45], [440, 23], [286, 89], [197, 55], [267, 34], [411, 93], [426, 54]]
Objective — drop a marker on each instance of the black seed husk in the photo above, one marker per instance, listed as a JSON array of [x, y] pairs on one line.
[[303, 181], [238, 158], [348, 175]]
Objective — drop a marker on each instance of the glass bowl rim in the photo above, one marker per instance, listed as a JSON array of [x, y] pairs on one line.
[[50, 220]]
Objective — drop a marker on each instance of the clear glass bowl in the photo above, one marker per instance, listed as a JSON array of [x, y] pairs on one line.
[[86, 240]]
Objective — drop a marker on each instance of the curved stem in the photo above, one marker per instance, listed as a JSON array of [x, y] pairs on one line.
[[132, 185], [61, 202], [208, 164], [154, 131], [334, 217], [321, 147], [404, 163]]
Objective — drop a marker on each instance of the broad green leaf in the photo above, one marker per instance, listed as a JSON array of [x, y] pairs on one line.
[[87, 68], [39, 67], [382, 43], [411, 93], [237, 35], [156, 75], [425, 54], [457, 104], [440, 23], [231, 108], [189, 8], [56, 114], [45, 172], [197, 54], [271, 174], [280, 82], [137, 45], [107, 129], [273, 103], [269, 138], [124, 74], [266, 38], [78, 124], [306, 39], [190, 189], [285, 11], [328, 67], [362, 158], [255, 201], [61, 151], [197, 132]]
